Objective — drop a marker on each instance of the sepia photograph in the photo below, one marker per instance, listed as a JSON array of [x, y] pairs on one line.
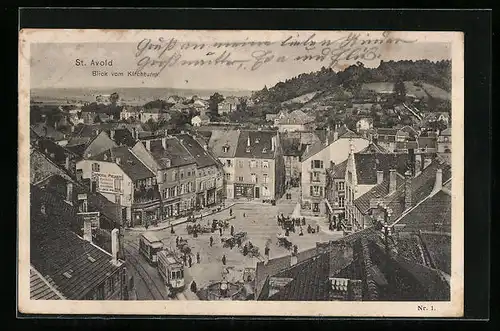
[[241, 172]]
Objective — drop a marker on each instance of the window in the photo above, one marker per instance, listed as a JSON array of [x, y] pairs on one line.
[[317, 164], [118, 184], [228, 163], [182, 174], [315, 176], [265, 164], [227, 176], [316, 191], [225, 149], [254, 178], [165, 177], [179, 191], [252, 164], [340, 186], [165, 194], [265, 178], [341, 202], [174, 175], [240, 179], [96, 167], [240, 164]]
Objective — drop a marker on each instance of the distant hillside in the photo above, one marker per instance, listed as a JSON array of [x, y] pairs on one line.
[[354, 77], [302, 98]]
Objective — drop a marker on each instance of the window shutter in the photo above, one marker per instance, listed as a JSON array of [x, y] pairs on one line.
[[311, 174], [312, 164], [311, 191], [321, 191], [321, 164]]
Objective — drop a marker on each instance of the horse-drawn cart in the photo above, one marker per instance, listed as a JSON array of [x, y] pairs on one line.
[[284, 242]]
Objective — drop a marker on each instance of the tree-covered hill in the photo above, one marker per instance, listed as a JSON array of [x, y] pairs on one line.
[[353, 77]]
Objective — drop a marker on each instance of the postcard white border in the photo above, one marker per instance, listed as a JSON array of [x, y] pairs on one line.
[[453, 308]]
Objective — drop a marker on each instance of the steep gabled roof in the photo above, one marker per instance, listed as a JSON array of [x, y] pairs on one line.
[[224, 143], [129, 163], [175, 152], [338, 170], [343, 133], [367, 166], [260, 144], [202, 157], [377, 192]]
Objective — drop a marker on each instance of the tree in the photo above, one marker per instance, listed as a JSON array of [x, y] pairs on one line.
[[400, 91], [114, 97], [214, 101]]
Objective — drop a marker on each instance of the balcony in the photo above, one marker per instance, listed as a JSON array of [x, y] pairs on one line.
[[146, 195]]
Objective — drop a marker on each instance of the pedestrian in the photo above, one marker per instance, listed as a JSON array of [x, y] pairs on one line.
[[194, 288], [220, 231], [317, 228], [224, 259], [184, 259], [287, 233], [301, 232], [211, 241], [230, 212], [244, 215], [238, 242], [172, 229], [266, 251], [177, 241], [232, 230], [303, 221], [190, 261], [198, 257], [245, 250]]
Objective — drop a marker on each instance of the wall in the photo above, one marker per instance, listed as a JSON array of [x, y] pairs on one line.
[[127, 186], [41, 167], [336, 152], [291, 127], [178, 204], [243, 169], [230, 170]]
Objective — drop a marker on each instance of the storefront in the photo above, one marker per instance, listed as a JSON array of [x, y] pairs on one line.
[[244, 191], [210, 196], [143, 216]]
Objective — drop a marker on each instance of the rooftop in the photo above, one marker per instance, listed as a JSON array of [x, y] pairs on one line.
[[256, 144], [201, 156], [367, 166], [128, 162], [72, 265], [175, 152], [342, 133]]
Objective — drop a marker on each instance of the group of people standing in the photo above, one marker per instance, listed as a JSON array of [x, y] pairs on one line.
[[290, 224]]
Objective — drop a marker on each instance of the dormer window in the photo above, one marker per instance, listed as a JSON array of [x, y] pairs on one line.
[[225, 149], [248, 149], [264, 150], [257, 140]]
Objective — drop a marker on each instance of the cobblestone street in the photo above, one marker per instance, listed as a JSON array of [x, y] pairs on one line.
[[258, 220]]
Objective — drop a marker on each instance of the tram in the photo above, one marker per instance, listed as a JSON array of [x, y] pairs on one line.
[[149, 246], [171, 270]]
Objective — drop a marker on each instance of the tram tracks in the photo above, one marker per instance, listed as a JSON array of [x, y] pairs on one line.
[[149, 282]]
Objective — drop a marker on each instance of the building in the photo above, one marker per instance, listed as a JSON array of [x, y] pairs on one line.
[[292, 153], [210, 189], [444, 144], [335, 190], [201, 106], [228, 105], [46, 131], [130, 113], [61, 156], [404, 259], [364, 124], [175, 170], [120, 176], [153, 114], [398, 192], [65, 265], [200, 120], [317, 158], [297, 120], [259, 167], [363, 173], [223, 145], [87, 146]]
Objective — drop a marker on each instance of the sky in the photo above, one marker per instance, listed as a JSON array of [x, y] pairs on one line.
[[55, 64]]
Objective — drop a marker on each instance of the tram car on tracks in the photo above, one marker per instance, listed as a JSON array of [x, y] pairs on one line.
[[149, 246], [171, 270]]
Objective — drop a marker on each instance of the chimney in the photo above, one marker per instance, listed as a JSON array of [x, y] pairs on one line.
[[166, 132], [134, 133], [164, 141], [293, 260], [87, 230], [117, 160], [412, 159], [148, 145], [66, 163], [332, 164], [392, 181], [69, 192], [273, 143], [112, 134], [380, 176], [114, 246], [438, 184], [407, 190], [248, 141]]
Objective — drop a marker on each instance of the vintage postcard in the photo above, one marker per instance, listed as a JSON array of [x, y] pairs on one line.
[[259, 173]]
